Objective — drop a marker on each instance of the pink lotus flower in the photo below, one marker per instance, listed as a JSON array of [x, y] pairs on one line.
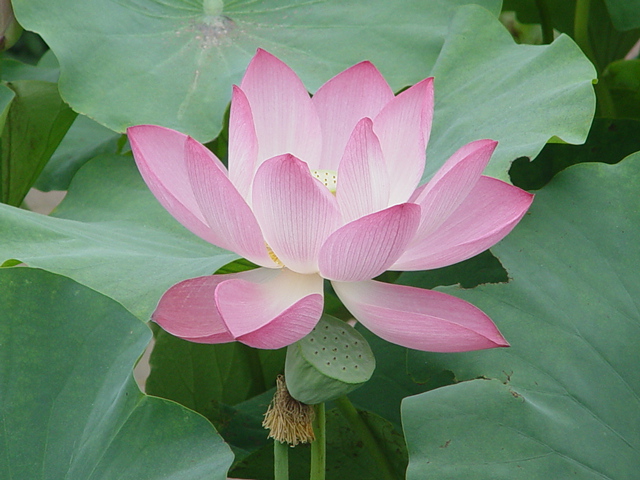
[[327, 188]]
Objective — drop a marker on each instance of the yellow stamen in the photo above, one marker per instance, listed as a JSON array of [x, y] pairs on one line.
[[329, 178], [273, 256], [287, 419]]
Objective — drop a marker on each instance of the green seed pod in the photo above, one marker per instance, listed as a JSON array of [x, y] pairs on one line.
[[331, 361]]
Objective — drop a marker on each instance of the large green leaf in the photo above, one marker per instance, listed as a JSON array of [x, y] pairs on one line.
[[564, 401], [111, 234], [37, 121], [520, 95], [173, 62], [69, 406]]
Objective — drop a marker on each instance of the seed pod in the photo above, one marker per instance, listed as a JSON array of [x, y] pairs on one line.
[[331, 361]]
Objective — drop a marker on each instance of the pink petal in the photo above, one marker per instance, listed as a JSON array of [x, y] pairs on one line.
[[159, 154], [363, 181], [188, 310], [360, 91], [403, 127], [419, 319], [487, 215], [243, 143], [263, 308], [366, 247], [285, 120], [231, 220], [272, 314], [295, 211], [452, 183]]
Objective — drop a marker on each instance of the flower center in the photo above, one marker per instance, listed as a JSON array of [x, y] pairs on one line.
[[329, 178]]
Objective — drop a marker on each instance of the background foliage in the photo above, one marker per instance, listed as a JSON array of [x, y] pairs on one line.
[[562, 401]]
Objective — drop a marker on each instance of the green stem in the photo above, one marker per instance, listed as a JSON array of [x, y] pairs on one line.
[[606, 106], [319, 445], [280, 460], [362, 430], [581, 28], [545, 21]]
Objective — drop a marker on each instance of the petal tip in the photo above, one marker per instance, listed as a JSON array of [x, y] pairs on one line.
[[427, 84], [487, 143], [367, 65], [499, 341], [264, 56]]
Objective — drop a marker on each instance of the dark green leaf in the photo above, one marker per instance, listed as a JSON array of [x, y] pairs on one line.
[[37, 121], [202, 377], [606, 39], [11, 263], [347, 457], [398, 374], [609, 141], [46, 70], [561, 13], [623, 80], [624, 13], [239, 265], [483, 268], [84, 140]]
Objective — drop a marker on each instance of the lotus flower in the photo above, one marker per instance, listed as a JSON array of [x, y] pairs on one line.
[[327, 188]]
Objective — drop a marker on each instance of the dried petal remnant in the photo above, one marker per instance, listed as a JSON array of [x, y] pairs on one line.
[[287, 419]]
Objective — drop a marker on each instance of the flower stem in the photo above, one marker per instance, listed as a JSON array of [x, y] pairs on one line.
[[362, 430], [319, 445], [545, 21], [581, 27], [280, 460]]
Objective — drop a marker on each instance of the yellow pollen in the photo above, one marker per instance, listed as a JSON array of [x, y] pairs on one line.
[[273, 256], [329, 178]]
